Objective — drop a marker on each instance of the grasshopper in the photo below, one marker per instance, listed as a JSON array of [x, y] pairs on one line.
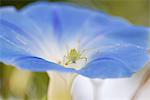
[[73, 56]]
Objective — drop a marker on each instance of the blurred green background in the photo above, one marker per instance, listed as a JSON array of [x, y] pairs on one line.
[[24, 85]]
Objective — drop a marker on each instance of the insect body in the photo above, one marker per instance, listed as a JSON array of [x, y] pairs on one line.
[[73, 56]]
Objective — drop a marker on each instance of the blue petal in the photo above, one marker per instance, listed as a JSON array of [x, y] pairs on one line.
[[45, 17], [8, 9], [11, 34], [21, 30], [121, 61], [22, 24], [10, 54], [14, 55], [9, 51], [132, 35], [68, 21], [39, 65], [113, 31], [20, 42]]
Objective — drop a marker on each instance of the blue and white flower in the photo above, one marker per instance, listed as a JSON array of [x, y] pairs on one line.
[[66, 38]]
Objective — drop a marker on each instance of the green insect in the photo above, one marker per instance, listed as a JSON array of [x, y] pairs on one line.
[[73, 56]]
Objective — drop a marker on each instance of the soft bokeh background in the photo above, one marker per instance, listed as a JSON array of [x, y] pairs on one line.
[[26, 85]]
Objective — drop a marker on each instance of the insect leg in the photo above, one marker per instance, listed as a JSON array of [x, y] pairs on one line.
[[67, 62], [83, 58]]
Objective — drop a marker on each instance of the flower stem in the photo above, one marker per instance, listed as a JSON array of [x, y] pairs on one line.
[[60, 86]]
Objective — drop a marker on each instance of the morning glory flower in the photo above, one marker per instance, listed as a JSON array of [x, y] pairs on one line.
[[66, 38]]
